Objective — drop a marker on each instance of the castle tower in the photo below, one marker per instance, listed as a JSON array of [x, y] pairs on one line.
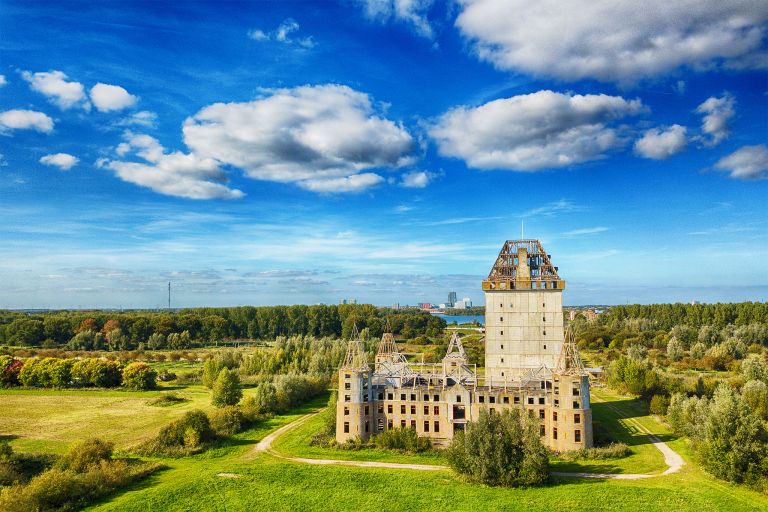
[[571, 409], [523, 311], [354, 408]]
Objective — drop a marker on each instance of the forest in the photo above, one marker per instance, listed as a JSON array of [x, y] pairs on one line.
[[186, 328]]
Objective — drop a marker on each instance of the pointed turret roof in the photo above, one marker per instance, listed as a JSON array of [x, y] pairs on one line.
[[569, 361], [509, 266], [355, 358]]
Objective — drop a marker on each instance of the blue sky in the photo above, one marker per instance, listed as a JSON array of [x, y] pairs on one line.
[[303, 152]]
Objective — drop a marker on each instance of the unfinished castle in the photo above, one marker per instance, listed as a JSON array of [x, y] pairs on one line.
[[530, 362]]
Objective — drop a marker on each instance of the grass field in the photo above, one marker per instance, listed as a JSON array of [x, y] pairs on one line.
[[48, 420]]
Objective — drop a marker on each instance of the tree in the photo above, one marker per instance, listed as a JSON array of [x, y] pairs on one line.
[[265, 398], [675, 349], [226, 389], [156, 341], [139, 376], [25, 331], [57, 329], [500, 449], [211, 370]]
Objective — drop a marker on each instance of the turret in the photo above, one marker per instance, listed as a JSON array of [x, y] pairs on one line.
[[571, 409], [354, 409]]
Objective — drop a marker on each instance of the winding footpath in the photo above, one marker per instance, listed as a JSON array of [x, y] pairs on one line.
[[672, 459]]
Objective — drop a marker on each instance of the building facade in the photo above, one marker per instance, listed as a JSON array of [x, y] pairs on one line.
[[530, 364]]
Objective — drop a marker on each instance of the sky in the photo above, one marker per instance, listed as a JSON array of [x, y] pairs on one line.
[[291, 152]]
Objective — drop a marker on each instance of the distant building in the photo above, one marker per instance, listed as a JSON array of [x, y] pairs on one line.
[[451, 299], [426, 306], [464, 303], [348, 301]]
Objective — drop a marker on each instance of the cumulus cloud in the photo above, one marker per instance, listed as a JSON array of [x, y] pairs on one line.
[[534, 131], [306, 135], [417, 179], [174, 174], [660, 144], [746, 163], [3, 81], [58, 89], [63, 161], [25, 120], [613, 41], [282, 34], [411, 12], [717, 112], [109, 98]]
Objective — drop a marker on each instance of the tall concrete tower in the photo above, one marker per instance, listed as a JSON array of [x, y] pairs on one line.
[[523, 312]]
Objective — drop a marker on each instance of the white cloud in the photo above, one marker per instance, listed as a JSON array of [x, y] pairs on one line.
[[613, 41], [109, 98], [304, 135], [60, 91], [3, 81], [418, 179], [258, 35], [411, 12], [746, 163], [717, 112], [354, 183], [174, 174], [585, 231], [660, 144], [282, 34], [25, 120], [63, 161], [144, 118], [534, 131]]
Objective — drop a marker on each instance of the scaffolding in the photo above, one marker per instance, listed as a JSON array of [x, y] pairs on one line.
[[355, 359], [569, 361]]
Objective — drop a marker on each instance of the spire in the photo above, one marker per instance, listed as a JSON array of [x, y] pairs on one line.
[[355, 358], [455, 350], [569, 362]]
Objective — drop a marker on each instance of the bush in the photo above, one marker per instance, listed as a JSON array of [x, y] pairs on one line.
[[228, 421], [166, 376], [167, 399], [183, 436], [226, 389], [500, 449], [85, 454], [139, 376], [97, 372], [402, 439], [9, 371], [659, 404], [612, 451]]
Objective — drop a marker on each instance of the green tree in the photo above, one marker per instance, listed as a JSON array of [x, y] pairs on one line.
[[226, 389], [139, 376], [500, 449]]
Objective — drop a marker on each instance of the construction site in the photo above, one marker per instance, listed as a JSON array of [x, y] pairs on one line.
[[531, 362]]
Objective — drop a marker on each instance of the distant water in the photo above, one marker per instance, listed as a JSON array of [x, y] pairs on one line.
[[463, 319]]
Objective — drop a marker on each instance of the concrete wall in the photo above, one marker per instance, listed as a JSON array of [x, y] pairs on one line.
[[523, 330]]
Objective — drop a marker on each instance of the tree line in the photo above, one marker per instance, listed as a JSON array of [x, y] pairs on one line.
[[186, 328]]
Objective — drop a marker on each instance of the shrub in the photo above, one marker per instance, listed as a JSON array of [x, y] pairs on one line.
[[228, 421], [167, 399], [226, 389], [612, 451], [500, 449], [166, 376], [182, 436], [402, 439], [139, 376], [659, 404], [85, 454], [9, 371], [97, 372]]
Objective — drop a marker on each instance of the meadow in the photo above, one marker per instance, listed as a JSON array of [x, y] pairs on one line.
[[231, 476]]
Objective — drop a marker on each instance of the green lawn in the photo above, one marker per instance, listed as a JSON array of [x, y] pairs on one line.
[[48, 420]]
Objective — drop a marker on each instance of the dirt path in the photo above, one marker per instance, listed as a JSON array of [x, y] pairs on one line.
[[672, 459]]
